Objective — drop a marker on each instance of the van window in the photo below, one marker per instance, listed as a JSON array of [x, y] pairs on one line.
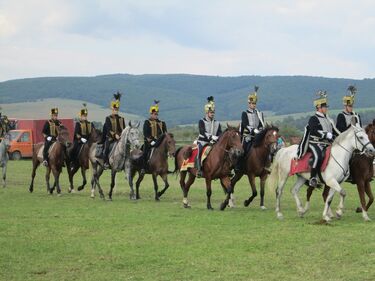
[[25, 137]]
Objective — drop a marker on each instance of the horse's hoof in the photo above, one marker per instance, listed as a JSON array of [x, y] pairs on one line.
[[367, 219], [159, 194], [339, 214], [92, 196], [187, 206], [72, 191], [358, 210], [280, 216], [59, 194], [157, 199], [263, 208], [246, 203], [31, 190], [210, 208], [80, 188]]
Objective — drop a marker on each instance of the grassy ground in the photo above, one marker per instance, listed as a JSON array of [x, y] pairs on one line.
[[73, 237]]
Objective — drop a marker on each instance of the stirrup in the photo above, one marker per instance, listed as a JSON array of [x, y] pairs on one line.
[[313, 182]]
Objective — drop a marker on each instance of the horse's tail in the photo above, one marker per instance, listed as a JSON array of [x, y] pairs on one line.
[[273, 178], [176, 169]]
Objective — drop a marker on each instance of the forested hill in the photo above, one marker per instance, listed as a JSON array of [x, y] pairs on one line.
[[183, 96]]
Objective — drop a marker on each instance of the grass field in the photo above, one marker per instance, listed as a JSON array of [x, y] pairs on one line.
[[74, 237]]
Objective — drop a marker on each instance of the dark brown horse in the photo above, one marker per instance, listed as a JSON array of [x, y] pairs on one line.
[[256, 161], [56, 159], [83, 160], [218, 164], [157, 165], [362, 172]]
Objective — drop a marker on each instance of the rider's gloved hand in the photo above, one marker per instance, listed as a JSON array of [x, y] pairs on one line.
[[256, 131], [117, 137], [83, 140], [215, 138], [329, 136], [49, 138], [153, 143]]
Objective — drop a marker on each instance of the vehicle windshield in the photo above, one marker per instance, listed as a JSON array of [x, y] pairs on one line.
[[14, 135]]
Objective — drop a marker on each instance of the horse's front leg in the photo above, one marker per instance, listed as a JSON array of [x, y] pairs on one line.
[[361, 192], [262, 191], [71, 174], [113, 178], [98, 173], [56, 175], [327, 204], [166, 184], [83, 173], [209, 193], [4, 175], [48, 173], [131, 184], [226, 182], [254, 194], [137, 184], [154, 179]]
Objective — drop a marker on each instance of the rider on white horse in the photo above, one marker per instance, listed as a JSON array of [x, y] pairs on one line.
[[344, 118], [319, 134]]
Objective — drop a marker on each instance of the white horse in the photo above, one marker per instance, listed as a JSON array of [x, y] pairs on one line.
[[335, 173], [4, 157], [119, 159]]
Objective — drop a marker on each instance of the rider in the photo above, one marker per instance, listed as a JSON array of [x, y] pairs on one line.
[[319, 134], [344, 118], [112, 129], [82, 132], [50, 133], [209, 131], [252, 123], [153, 128], [4, 125]]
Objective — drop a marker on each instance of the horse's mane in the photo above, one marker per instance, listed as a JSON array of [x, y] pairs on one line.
[[342, 135], [260, 137]]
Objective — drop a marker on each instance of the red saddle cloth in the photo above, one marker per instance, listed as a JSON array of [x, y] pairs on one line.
[[302, 165], [190, 162]]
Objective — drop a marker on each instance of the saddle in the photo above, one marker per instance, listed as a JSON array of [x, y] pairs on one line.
[[304, 164], [40, 152], [189, 161]]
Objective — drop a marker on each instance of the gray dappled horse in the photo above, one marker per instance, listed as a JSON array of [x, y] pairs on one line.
[[4, 157], [118, 159]]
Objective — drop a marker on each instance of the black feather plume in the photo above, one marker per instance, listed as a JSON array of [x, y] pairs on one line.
[[117, 96], [256, 88], [156, 101], [84, 104], [352, 89], [210, 98]]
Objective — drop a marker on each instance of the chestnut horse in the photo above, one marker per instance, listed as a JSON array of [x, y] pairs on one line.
[[56, 159], [218, 164], [83, 160], [362, 172], [157, 165], [256, 161]]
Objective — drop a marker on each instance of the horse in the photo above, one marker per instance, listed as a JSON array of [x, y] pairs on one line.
[[218, 164], [56, 158], [256, 161], [362, 172], [83, 159], [118, 159], [335, 173], [4, 157], [157, 165]]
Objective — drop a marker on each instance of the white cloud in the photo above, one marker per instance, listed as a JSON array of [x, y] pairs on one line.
[[325, 38]]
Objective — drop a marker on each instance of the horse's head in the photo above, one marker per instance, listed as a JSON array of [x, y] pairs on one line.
[[132, 134], [362, 141], [63, 136], [370, 131], [267, 137], [171, 144], [95, 135], [233, 142]]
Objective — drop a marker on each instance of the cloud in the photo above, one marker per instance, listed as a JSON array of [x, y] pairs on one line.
[[323, 38]]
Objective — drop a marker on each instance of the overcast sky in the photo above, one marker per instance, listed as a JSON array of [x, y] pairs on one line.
[[92, 37]]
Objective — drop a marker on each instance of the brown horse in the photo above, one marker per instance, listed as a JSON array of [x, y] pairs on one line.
[[157, 165], [218, 164], [56, 159], [83, 160], [362, 172], [256, 161]]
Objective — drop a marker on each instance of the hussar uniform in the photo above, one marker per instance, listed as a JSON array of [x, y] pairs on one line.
[[252, 123], [50, 131], [113, 125], [153, 130], [82, 133], [344, 118], [209, 131], [319, 134]]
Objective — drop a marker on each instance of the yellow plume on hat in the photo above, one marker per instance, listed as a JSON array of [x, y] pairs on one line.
[[348, 99], [84, 110], [155, 106], [210, 105], [115, 104], [54, 110], [322, 99], [253, 98]]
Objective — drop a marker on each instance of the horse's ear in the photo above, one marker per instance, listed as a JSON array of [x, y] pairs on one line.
[[354, 121], [138, 123], [373, 122], [130, 123]]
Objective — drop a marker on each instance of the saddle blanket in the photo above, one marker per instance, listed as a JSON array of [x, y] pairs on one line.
[[303, 165], [40, 152], [190, 162]]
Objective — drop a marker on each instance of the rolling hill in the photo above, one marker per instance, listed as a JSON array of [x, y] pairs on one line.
[[183, 96]]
